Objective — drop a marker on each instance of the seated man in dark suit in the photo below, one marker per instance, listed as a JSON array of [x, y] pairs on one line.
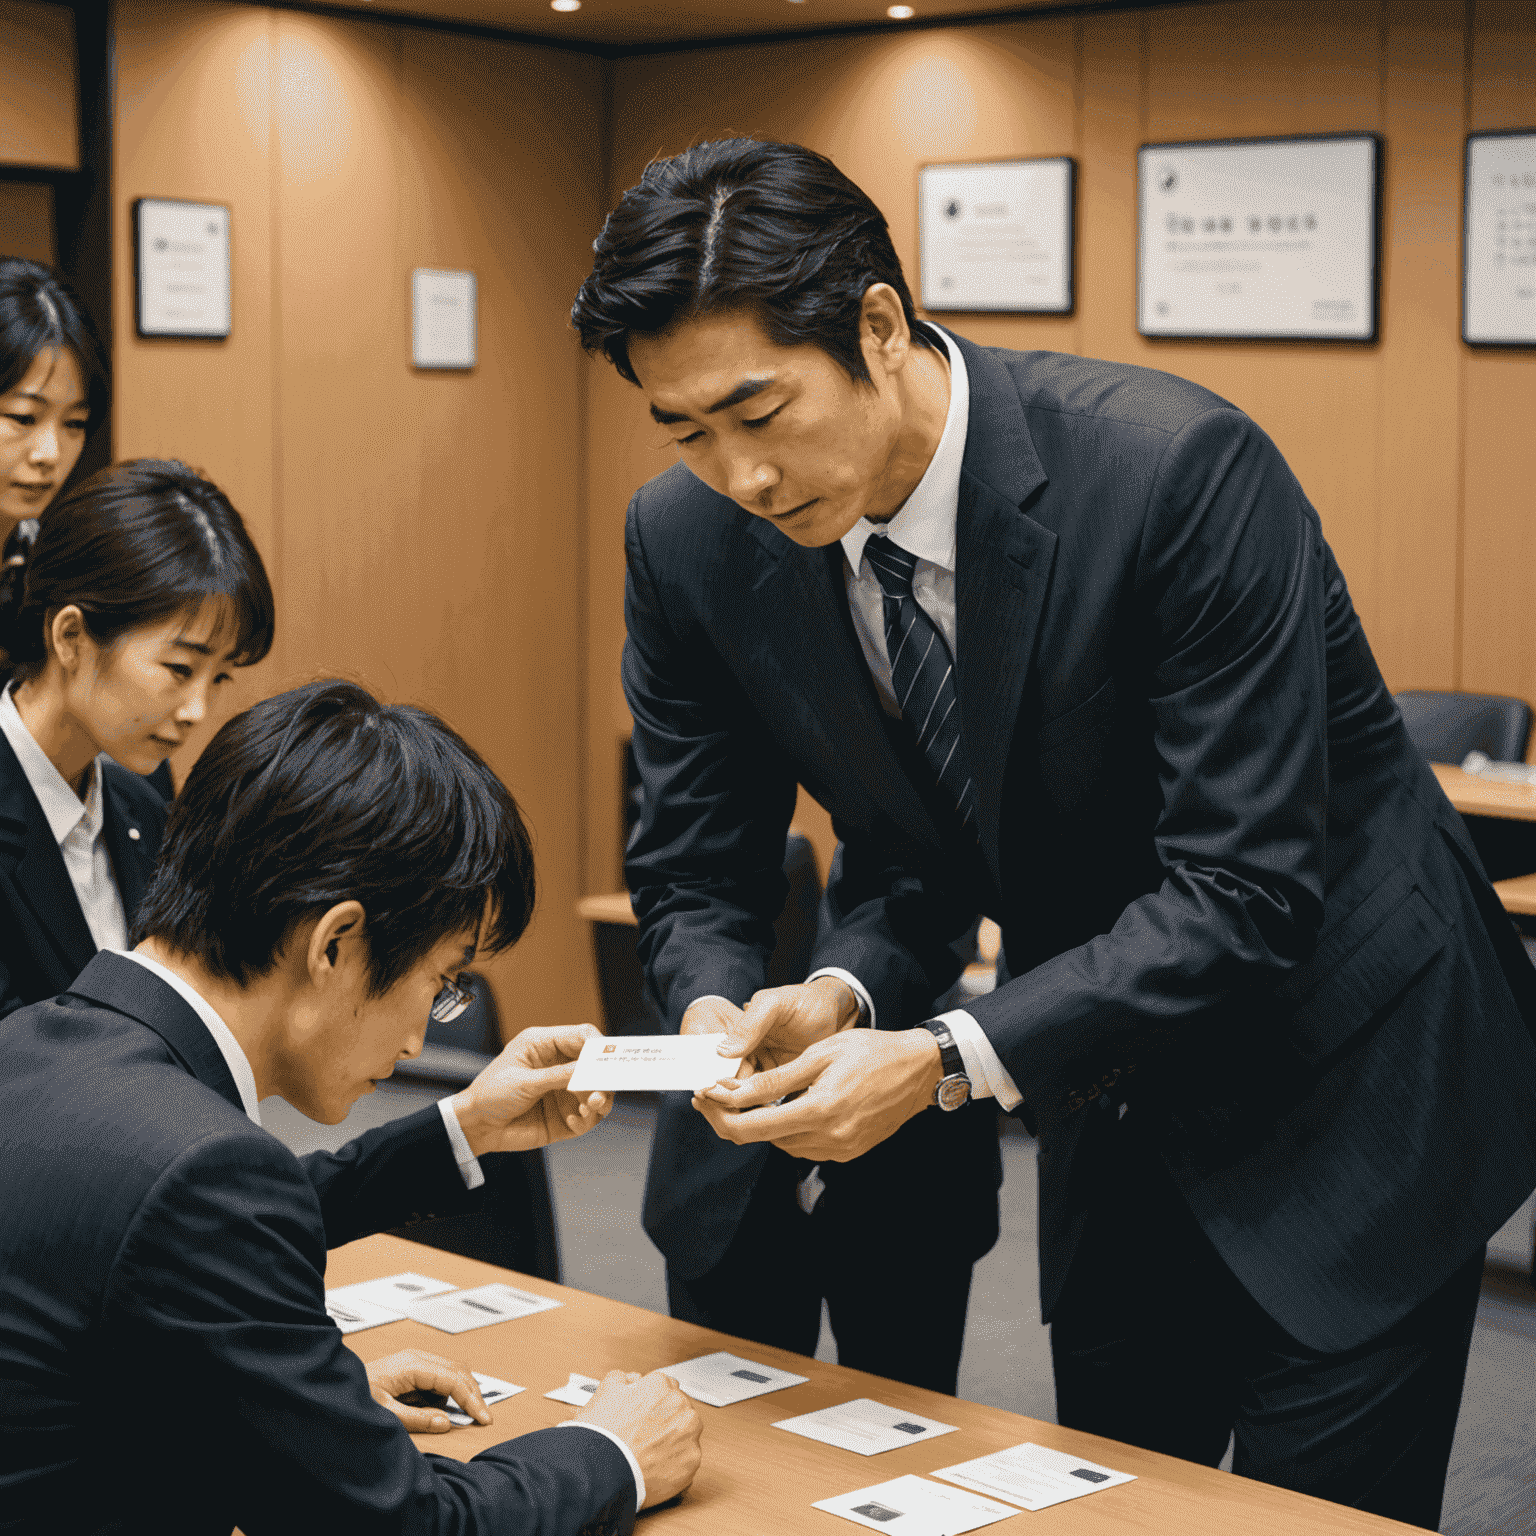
[[166, 1361]]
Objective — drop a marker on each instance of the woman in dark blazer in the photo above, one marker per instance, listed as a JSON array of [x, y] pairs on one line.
[[141, 595]]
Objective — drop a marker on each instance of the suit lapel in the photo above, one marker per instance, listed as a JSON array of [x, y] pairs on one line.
[[809, 634], [1003, 562], [132, 857], [39, 875], [127, 987]]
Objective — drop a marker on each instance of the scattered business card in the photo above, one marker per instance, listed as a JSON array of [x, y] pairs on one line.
[[1032, 1476], [396, 1292], [866, 1426], [459, 1311], [577, 1391], [352, 1314], [915, 1507], [653, 1063], [722, 1379], [492, 1389]]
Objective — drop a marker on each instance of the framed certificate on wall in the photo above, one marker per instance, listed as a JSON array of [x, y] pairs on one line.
[[1260, 239], [444, 328], [181, 268], [996, 236], [1498, 268]]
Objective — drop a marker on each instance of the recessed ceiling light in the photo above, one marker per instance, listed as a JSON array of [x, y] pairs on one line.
[[900, 12], [565, 5]]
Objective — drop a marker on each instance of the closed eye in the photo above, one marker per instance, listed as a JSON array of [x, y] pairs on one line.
[[762, 421], [176, 667]]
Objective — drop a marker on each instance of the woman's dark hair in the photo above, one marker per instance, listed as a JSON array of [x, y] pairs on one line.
[[324, 795], [775, 229], [137, 543], [39, 311]]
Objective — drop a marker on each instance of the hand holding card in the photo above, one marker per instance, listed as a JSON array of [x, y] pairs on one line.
[[396, 1377], [651, 1063]]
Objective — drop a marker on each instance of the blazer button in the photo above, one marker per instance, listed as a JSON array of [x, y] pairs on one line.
[[133, 832]]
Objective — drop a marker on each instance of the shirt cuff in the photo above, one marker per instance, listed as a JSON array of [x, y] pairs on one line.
[[866, 1002], [989, 1077], [629, 1455], [469, 1164]]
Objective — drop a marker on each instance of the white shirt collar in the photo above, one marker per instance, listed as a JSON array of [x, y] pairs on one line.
[[61, 806], [229, 1048], [925, 524]]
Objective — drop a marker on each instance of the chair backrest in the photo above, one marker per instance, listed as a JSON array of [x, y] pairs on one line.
[[1447, 726]]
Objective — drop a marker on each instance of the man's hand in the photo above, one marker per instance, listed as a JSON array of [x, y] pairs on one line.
[[777, 1024], [656, 1422], [415, 1370], [519, 1101], [858, 1088]]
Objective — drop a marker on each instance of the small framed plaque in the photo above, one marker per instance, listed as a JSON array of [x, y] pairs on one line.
[[442, 318], [1498, 269], [996, 236], [181, 268], [1260, 239]]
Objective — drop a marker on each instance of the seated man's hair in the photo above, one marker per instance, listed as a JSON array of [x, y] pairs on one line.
[[741, 224], [324, 795]]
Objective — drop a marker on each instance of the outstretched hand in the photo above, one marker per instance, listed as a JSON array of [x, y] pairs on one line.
[[520, 1101], [777, 1024]]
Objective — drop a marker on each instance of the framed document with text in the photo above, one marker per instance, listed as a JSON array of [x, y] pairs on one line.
[[444, 331], [1498, 267], [1260, 239], [996, 236], [181, 268]]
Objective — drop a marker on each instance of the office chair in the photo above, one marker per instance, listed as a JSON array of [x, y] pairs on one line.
[[1447, 726]]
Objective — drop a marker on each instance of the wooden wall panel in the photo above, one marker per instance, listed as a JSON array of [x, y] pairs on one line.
[[39, 86], [425, 529], [1499, 408], [27, 221]]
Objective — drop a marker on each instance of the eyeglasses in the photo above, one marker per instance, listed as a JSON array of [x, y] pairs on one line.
[[455, 997]]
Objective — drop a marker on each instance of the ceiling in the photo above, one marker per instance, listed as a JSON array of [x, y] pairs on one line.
[[624, 24]]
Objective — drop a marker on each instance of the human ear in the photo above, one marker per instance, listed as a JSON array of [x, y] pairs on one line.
[[883, 330], [327, 953], [68, 637]]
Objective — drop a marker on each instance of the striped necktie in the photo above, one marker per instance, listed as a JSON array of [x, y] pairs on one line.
[[922, 676]]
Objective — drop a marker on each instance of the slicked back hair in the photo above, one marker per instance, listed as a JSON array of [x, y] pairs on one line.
[[324, 795], [741, 224]]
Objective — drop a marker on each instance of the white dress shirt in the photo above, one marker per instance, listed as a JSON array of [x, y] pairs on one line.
[[77, 827]]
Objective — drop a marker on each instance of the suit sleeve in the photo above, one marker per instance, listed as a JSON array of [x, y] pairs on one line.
[[215, 1305], [1228, 610], [706, 864]]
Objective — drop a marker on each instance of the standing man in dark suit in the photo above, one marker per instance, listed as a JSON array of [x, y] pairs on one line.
[[1061, 641], [329, 868]]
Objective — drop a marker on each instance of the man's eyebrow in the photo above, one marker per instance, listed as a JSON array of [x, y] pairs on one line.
[[743, 391]]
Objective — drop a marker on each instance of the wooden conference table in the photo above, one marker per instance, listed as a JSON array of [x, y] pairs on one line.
[[1473, 796], [760, 1481]]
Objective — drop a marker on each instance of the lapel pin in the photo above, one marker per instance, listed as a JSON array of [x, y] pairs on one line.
[[133, 832]]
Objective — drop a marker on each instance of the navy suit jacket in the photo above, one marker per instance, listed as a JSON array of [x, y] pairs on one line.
[[1231, 893], [166, 1362], [44, 940]]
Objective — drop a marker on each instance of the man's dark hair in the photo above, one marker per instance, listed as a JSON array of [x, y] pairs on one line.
[[40, 312], [139, 542], [773, 229], [325, 795]]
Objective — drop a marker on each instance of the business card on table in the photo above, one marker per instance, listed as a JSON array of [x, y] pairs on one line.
[[915, 1507], [492, 1389], [353, 1314], [1032, 1476], [459, 1311], [577, 1391], [652, 1063], [396, 1292], [866, 1426], [722, 1379]]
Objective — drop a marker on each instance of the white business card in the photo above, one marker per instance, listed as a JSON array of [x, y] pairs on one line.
[[492, 1389], [866, 1426], [459, 1311], [915, 1507], [394, 1291], [353, 1314], [577, 1391], [653, 1063], [721, 1379], [1032, 1476]]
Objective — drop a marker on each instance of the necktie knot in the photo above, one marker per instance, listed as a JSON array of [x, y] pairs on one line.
[[894, 567]]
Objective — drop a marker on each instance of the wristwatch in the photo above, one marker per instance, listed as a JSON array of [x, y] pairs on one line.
[[954, 1088]]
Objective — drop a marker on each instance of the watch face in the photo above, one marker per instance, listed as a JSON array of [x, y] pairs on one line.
[[953, 1091]]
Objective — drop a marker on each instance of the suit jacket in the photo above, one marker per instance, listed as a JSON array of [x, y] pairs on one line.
[[1231, 893], [166, 1362], [44, 940]]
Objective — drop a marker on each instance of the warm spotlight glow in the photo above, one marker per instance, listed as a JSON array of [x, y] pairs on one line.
[[565, 5], [900, 12]]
